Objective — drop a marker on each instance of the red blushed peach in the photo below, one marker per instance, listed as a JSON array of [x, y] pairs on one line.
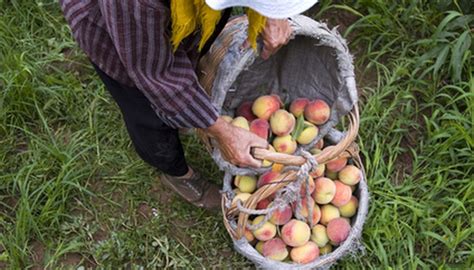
[[319, 235], [295, 233], [245, 110], [325, 250], [305, 254], [266, 232], [275, 249], [328, 213], [349, 209], [285, 144], [263, 204], [304, 211], [311, 186], [338, 230], [350, 175], [325, 190], [343, 194], [336, 165], [298, 105], [264, 106], [281, 217], [317, 112], [282, 123], [267, 178], [241, 122], [319, 171], [260, 127]]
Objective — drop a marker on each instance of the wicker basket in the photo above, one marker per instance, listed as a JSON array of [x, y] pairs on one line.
[[227, 72]]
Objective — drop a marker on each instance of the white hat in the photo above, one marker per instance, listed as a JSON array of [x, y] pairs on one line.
[[277, 9]]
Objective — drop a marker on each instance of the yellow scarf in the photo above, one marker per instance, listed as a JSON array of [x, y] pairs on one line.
[[186, 17]]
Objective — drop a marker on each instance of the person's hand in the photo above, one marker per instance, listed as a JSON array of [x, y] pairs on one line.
[[277, 33], [236, 143]]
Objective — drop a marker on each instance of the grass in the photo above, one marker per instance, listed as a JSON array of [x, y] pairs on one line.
[[73, 192]]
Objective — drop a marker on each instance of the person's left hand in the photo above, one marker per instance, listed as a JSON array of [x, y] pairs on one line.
[[277, 33]]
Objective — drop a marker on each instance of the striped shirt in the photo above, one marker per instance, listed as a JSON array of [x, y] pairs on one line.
[[130, 41]]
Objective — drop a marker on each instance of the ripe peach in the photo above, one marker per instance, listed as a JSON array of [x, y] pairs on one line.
[[328, 213], [298, 105], [349, 209], [266, 232], [319, 171], [245, 110], [343, 194], [331, 175], [260, 127], [311, 186], [319, 235], [304, 211], [324, 191], [308, 134], [285, 144], [275, 249], [317, 112], [226, 118], [259, 246], [338, 230], [281, 217], [325, 250], [242, 197], [263, 204], [350, 175], [305, 254], [249, 235], [241, 122], [264, 106], [246, 183], [336, 164], [295, 233], [282, 122], [267, 178]]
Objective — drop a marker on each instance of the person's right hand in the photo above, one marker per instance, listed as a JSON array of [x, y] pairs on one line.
[[236, 143]]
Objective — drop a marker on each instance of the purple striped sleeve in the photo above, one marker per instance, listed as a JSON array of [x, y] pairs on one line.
[[168, 80]]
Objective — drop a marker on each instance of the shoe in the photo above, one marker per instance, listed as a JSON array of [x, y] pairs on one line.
[[195, 190]]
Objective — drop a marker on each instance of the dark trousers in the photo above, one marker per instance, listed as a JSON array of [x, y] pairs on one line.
[[155, 142]]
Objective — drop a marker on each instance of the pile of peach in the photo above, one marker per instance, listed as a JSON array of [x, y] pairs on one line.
[[283, 237]]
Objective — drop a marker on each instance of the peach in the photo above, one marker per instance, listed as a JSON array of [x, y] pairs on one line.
[[328, 213], [282, 123], [325, 250], [311, 186], [267, 163], [264, 106], [263, 204], [246, 183], [285, 144], [304, 211], [226, 118], [305, 254], [297, 106], [325, 190], [295, 233], [336, 165], [317, 112], [275, 249], [242, 197], [308, 134], [331, 175], [267, 178], [260, 127], [319, 235], [343, 194], [318, 171], [281, 217], [249, 235], [266, 232], [349, 209], [259, 246], [241, 122], [245, 110], [338, 230], [350, 175]]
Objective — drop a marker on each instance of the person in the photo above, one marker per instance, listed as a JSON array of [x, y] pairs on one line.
[[146, 52]]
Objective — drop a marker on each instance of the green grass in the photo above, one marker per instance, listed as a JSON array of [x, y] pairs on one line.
[[72, 190]]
